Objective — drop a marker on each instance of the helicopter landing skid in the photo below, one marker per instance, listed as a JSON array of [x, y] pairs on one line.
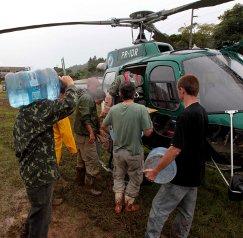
[[235, 192]]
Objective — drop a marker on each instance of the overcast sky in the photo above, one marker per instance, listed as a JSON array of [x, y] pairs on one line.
[[42, 48]]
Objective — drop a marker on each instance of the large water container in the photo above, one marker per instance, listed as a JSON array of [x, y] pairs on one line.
[[166, 174], [26, 87]]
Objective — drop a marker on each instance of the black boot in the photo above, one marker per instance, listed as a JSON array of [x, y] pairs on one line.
[[24, 230], [80, 176]]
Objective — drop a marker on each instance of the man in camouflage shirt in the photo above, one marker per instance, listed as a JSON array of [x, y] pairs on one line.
[[86, 128], [34, 147]]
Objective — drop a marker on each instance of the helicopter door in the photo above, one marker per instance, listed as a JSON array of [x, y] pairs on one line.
[[162, 95], [162, 85], [108, 80]]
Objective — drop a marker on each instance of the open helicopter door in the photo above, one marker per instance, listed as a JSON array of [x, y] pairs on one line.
[[161, 85], [235, 185]]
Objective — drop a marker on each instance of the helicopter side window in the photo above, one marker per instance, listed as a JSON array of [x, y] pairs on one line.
[[162, 88], [163, 48]]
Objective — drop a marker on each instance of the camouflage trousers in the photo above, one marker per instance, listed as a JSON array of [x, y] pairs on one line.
[[87, 155], [124, 163], [168, 198]]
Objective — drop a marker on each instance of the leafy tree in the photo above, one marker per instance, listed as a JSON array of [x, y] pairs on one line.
[[87, 70], [203, 37], [90, 69], [181, 41], [60, 71], [230, 29]]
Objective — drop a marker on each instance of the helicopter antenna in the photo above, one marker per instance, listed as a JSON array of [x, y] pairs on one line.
[[191, 28]]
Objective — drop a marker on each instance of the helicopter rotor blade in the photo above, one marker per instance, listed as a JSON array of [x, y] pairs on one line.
[[113, 22], [149, 19], [162, 15]]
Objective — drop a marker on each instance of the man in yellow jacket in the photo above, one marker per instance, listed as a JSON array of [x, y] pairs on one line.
[[63, 134]]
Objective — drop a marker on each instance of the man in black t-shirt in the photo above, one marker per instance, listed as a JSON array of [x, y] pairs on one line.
[[188, 149]]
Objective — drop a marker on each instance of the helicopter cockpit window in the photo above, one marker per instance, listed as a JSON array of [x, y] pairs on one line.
[[232, 63], [108, 80], [221, 88], [237, 67], [240, 55], [162, 88], [164, 48]]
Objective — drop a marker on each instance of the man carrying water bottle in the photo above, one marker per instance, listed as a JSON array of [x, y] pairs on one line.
[[34, 147], [188, 148]]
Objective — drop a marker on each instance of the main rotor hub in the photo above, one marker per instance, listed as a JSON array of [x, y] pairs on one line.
[[140, 14]]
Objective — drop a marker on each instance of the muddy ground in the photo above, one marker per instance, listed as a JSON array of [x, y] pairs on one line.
[[66, 222]]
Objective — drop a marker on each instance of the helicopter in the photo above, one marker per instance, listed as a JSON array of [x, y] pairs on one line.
[[160, 67]]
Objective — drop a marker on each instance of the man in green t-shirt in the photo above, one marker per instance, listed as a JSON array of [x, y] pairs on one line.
[[128, 121]]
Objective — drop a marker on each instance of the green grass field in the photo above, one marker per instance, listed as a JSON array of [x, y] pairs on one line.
[[215, 215]]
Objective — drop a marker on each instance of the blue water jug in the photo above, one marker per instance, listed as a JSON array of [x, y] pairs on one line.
[[26, 87]]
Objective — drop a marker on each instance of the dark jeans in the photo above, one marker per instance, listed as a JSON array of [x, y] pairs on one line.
[[39, 217]]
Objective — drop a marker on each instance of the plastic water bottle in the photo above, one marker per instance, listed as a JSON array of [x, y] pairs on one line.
[[166, 174], [26, 87], [53, 86]]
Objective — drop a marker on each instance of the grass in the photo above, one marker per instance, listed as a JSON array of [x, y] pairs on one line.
[[215, 215], [9, 174]]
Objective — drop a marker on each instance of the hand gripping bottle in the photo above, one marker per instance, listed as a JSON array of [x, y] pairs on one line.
[[26, 87]]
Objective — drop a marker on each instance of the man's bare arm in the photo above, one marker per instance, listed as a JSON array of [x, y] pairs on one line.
[[148, 132], [169, 156], [104, 127], [91, 133]]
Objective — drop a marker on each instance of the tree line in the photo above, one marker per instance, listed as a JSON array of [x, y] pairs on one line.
[[84, 71], [228, 31]]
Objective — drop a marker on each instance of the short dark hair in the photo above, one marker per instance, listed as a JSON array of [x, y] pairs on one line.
[[127, 90], [190, 83]]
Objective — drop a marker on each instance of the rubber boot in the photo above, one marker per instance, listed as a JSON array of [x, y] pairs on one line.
[[130, 206], [80, 176], [119, 200], [90, 185], [24, 230]]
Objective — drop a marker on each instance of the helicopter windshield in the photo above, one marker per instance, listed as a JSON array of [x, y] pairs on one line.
[[221, 88], [232, 63]]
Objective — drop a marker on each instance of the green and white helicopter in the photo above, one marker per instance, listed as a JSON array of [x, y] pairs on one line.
[[160, 67]]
